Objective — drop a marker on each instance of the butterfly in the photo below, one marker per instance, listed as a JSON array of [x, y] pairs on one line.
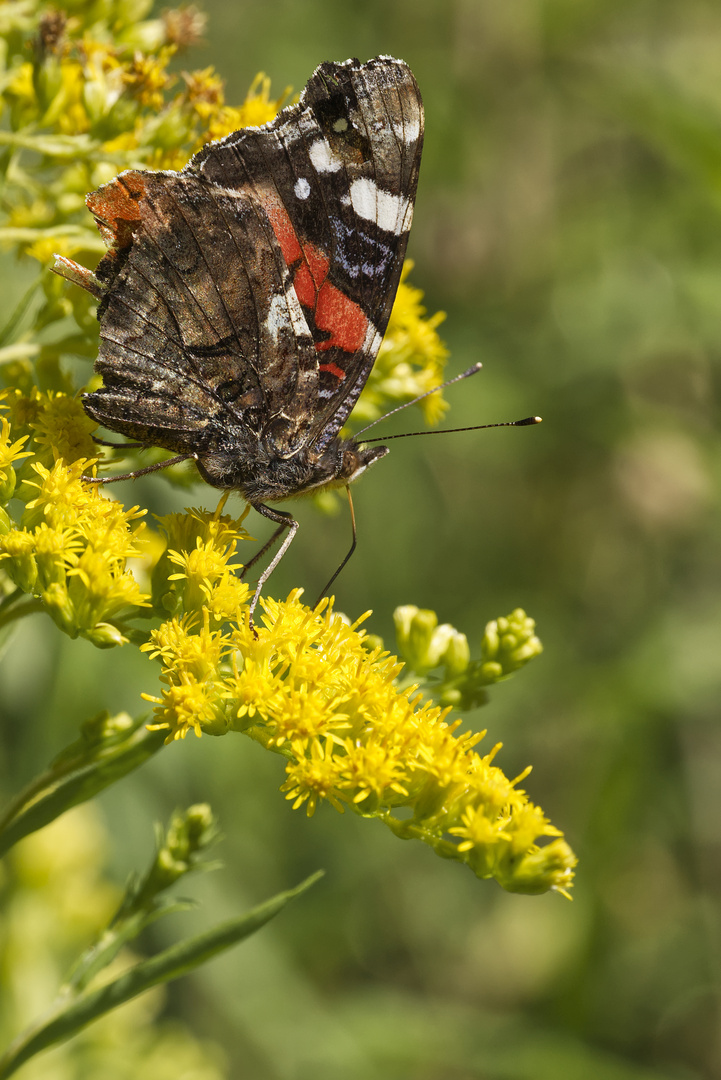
[[243, 300]]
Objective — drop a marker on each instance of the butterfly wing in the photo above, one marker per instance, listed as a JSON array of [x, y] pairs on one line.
[[245, 298], [336, 175], [202, 336]]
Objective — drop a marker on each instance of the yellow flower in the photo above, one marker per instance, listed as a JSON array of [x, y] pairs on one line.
[[147, 79], [314, 776], [204, 91], [63, 426], [258, 107], [221, 119], [203, 545], [9, 453], [309, 689], [72, 545], [195, 695]]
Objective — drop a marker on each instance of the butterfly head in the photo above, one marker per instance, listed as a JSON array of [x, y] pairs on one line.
[[339, 464], [356, 459]]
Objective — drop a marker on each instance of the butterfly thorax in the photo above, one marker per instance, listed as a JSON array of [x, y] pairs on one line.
[[266, 476]]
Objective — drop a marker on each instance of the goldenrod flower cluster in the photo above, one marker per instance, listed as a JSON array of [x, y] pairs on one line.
[[309, 688], [70, 547]]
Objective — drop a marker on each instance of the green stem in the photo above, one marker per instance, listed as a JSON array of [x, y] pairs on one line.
[[19, 611]]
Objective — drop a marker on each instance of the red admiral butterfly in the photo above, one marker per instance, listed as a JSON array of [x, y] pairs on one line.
[[244, 299]]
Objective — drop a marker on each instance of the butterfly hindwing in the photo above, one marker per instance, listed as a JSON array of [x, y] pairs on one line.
[[202, 336]]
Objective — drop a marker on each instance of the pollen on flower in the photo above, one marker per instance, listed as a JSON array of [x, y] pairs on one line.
[[254, 689], [225, 598], [185, 648], [203, 565], [479, 829], [187, 706], [314, 776]]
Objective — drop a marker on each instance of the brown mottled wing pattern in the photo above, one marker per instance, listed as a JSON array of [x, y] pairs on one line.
[[202, 336]]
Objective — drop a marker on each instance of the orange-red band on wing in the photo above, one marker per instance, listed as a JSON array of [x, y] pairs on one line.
[[333, 311], [115, 206]]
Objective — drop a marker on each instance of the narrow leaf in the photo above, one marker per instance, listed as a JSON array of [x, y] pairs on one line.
[[69, 1017], [57, 790]]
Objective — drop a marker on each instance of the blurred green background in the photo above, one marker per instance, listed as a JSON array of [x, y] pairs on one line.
[[569, 222]]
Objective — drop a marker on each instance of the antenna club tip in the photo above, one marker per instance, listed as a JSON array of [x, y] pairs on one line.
[[529, 420]]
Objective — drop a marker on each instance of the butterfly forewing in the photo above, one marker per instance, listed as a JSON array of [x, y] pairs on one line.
[[336, 176]]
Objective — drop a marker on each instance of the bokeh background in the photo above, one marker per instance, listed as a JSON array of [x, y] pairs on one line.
[[569, 222]]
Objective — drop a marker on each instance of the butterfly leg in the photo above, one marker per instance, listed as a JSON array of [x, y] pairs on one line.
[[138, 472], [265, 548], [286, 521]]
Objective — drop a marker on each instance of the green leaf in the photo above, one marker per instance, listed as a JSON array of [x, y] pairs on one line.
[[78, 774], [103, 951], [8, 331], [67, 1018]]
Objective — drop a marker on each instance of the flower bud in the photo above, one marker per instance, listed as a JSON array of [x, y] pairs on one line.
[[21, 566], [403, 617], [8, 479], [60, 608], [549, 867], [491, 640], [457, 656], [105, 635]]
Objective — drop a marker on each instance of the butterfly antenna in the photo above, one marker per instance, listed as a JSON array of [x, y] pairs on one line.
[[350, 552], [449, 382], [527, 420]]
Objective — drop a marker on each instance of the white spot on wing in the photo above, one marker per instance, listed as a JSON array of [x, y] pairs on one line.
[[322, 157], [278, 319], [408, 130], [341, 124], [393, 213], [302, 188]]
